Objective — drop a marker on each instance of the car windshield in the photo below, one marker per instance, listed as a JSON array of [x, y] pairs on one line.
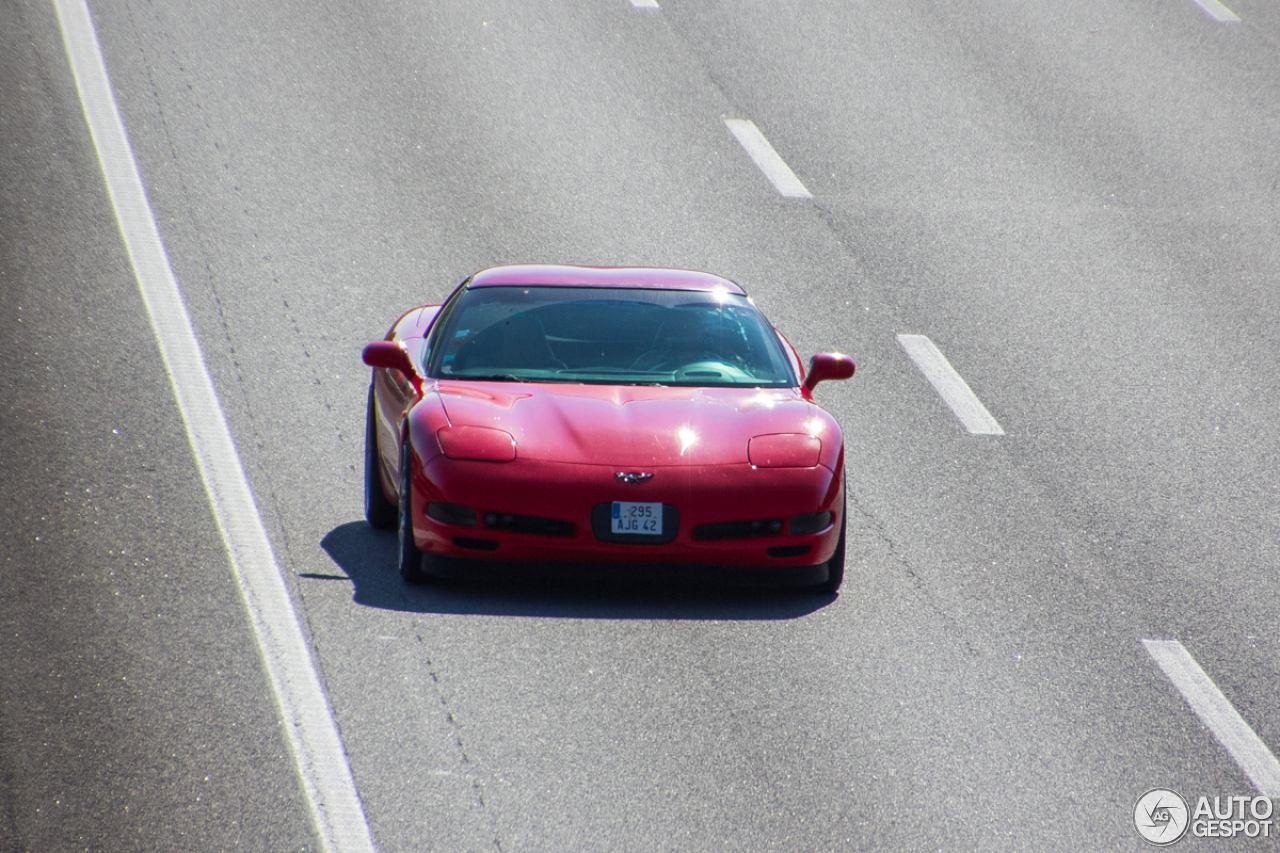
[[609, 336]]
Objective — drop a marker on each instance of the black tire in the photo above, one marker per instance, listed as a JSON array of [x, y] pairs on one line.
[[378, 511], [835, 566], [410, 557]]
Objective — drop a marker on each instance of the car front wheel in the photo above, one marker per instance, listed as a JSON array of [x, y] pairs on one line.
[[410, 557], [378, 511], [835, 566]]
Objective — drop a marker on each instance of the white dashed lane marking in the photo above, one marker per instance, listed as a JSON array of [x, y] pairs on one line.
[[1217, 713], [645, 4], [767, 159], [950, 385], [312, 734], [1217, 11]]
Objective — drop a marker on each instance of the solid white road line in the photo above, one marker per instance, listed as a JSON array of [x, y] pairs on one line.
[[1213, 709], [308, 721], [1217, 11], [955, 392], [773, 166]]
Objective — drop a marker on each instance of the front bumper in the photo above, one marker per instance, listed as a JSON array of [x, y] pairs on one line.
[[533, 511]]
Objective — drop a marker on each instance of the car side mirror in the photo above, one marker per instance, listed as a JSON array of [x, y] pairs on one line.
[[828, 365], [389, 355]]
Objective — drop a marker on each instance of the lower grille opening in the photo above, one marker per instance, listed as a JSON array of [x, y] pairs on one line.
[[529, 524], [786, 550], [737, 529], [475, 544]]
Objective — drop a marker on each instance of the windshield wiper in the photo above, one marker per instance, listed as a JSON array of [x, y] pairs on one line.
[[510, 377], [488, 377]]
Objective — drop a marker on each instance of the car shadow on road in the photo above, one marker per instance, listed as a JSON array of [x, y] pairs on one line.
[[560, 591]]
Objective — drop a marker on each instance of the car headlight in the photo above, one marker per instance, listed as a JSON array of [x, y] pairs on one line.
[[481, 444], [784, 450]]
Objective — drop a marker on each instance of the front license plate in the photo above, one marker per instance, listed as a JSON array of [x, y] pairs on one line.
[[642, 518]]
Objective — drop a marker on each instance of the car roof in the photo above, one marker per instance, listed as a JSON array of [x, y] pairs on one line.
[[564, 275]]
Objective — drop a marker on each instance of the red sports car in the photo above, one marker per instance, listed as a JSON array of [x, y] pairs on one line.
[[603, 415]]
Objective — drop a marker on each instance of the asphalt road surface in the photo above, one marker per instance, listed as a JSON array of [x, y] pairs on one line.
[[1078, 204]]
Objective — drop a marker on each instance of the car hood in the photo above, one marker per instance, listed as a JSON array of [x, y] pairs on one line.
[[634, 426]]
